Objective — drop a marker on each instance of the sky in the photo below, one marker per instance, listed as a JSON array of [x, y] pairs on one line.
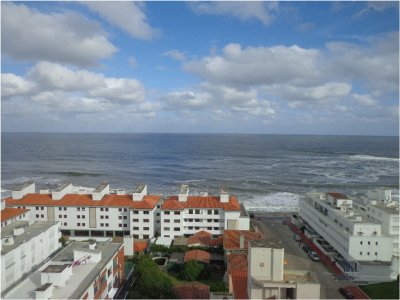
[[200, 67]]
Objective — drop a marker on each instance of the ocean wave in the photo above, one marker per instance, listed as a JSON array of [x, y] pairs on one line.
[[376, 158], [74, 174], [278, 201], [38, 180]]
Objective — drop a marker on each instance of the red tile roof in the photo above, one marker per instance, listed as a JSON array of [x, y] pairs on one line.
[[9, 213], [172, 203], [194, 290], [237, 262], [239, 284], [198, 255], [232, 238], [204, 238], [110, 200], [140, 246], [338, 195]]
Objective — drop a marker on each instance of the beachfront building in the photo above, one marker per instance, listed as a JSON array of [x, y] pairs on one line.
[[82, 270], [362, 250], [9, 215], [24, 246], [98, 214], [184, 215]]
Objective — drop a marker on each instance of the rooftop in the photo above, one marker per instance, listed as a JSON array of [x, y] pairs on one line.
[[393, 210], [30, 231], [204, 238], [110, 200], [237, 262], [55, 268], [199, 255], [140, 246], [82, 274], [101, 187], [193, 290], [239, 284], [337, 195], [61, 187], [267, 244], [231, 239], [172, 203], [10, 213]]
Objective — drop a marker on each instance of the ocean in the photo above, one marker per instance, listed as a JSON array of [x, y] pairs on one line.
[[266, 172]]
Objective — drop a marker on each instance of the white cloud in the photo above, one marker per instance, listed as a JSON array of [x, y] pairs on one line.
[[185, 100], [365, 100], [175, 55], [257, 10], [30, 35], [128, 16], [12, 85]]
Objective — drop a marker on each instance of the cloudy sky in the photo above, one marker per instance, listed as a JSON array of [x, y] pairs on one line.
[[231, 67]]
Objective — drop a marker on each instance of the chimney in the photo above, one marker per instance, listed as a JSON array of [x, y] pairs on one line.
[[140, 192], [102, 190], [28, 188], [61, 191], [224, 197], [184, 193], [241, 242]]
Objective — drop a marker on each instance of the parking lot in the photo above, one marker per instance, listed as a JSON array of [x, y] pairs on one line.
[[273, 228]]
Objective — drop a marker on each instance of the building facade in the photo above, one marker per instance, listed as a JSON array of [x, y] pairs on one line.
[[359, 241]]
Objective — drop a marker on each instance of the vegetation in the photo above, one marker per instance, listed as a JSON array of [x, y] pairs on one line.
[[164, 250], [384, 290], [192, 270], [151, 283]]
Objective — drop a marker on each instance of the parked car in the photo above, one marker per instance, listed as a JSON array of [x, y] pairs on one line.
[[313, 255], [346, 293], [297, 238], [306, 248]]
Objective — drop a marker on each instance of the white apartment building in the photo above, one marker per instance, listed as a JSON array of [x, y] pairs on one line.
[[82, 270], [99, 213], [368, 254], [184, 215], [268, 279], [24, 246]]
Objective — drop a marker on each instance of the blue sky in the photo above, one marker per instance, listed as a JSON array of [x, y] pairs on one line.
[[231, 67]]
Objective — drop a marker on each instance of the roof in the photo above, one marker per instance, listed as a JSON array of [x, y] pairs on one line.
[[204, 238], [193, 290], [239, 284], [140, 246], [338, 195], [110, 200], [237, 262], [172, 203], [199, 255], [10, 213], [232, 238]]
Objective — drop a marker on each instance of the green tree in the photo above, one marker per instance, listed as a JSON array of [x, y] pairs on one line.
[[192, 270]]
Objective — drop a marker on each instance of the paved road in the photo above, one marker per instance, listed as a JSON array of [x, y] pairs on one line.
[[273, 228]]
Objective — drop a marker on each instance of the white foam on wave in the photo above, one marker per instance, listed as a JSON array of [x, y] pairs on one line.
[[39, 180], [376, 158], [279, 201]]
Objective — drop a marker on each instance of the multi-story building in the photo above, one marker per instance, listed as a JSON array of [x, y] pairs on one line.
[[82, 270], [99, 213], [364, 251], [184, 215], [24, 246]]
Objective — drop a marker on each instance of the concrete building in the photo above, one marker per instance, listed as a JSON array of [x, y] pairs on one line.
[[25, 246], [82, 270], [184, 215], [364, 252], [99, 213]]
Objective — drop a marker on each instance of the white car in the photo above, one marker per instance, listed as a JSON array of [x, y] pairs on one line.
[[313, 255]]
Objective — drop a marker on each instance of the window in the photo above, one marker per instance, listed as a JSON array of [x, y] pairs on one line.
[[376, 253], [145, 236], [215, 211], [65, 216], [360, 252], [65, 223], [106, 209], [106, 217], [197, 211], [79, 216], [42, 216], [376, 243], [37, 208], [83, 209], [101, 224], [135, 212], [158, 221], [79, 209], [37, 216], [190, 211], [158, 214], [146, 212], [176, 229], [190, 220], [367, 253], [135, 228], [125, 217], [79, 224], [197, 228], [361, 242], [83, 217], [166, 213], [101, 217], [106, 224], [119, 225], [190, 227], [209, 211], [146, 220], [146, 228], [60, 216], [83, 224], [120, 217], [166, 228], [135, 220], [42, 208], [119, 209], [209, 228], [65, 208], [369, 243], [215, 228], [177, 213], [60, 208], [101, 209], [177, 221], [167, 221], [125, 209], [125, 225]]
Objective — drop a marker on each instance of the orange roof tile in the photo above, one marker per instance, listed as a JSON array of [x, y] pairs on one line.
[[140, 246], [239, 284], [237, 262], [338, 195], [232, 238], [10, 212], [194, 290], [172, 203], [148, 202], [204, 238], [198, 255]]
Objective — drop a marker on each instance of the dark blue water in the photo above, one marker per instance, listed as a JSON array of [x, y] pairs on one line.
[[267, 172]]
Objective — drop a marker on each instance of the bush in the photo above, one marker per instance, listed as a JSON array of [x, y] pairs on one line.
[[192, 270], [218, 286]]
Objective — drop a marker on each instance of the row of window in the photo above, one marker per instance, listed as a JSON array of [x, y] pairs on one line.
[[138, 228], [175, 212], [175, 228], [169, 221], [136, 212], [369, 243], [376, 253], [144, 220]]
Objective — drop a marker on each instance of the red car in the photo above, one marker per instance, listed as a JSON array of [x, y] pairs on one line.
[[346, 293]]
